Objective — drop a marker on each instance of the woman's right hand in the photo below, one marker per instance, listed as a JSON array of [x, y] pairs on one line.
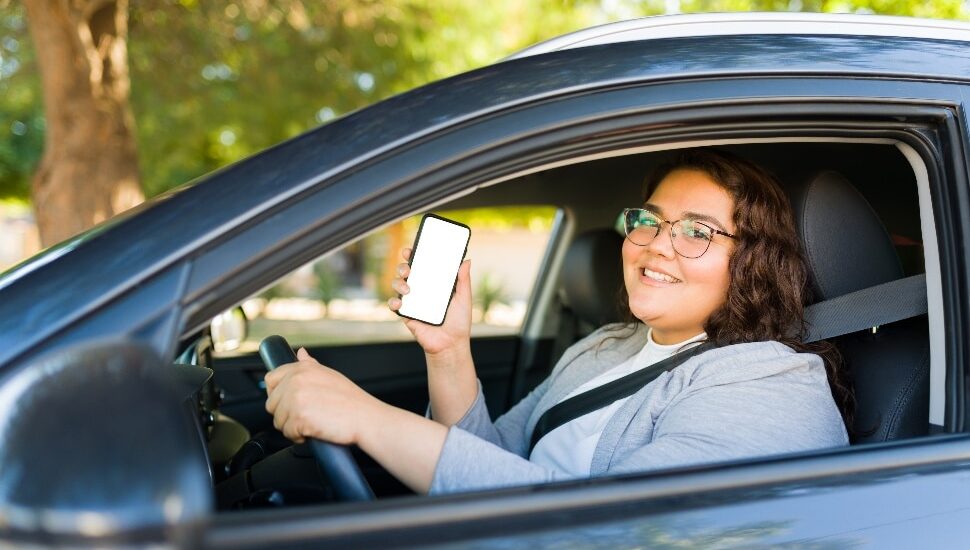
[[455, 332]]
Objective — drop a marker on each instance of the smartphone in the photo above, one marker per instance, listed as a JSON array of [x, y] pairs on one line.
[[438, 250]]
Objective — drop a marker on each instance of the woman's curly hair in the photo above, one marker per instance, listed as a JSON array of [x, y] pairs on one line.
[[769, 279]]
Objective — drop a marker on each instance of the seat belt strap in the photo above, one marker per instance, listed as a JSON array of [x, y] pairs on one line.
[[863, 309], [870, 307], [600, 396]]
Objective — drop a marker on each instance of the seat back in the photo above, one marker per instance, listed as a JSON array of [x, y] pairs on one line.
[[847, 248], [592, 279]]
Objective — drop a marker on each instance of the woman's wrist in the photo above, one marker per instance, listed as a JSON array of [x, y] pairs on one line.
[[453, 356]]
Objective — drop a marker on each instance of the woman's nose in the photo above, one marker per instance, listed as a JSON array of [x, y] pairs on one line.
[[662, 244]]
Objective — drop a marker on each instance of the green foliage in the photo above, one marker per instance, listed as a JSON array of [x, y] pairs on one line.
[[328, 284], [21, 108], [538, 218], [274, 292], [213, 82], [940, 9], [488, 292]]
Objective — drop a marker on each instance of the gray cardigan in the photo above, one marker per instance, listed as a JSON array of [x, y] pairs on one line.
[[733, 402]]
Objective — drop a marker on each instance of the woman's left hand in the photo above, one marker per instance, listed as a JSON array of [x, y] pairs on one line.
[[309, 400]]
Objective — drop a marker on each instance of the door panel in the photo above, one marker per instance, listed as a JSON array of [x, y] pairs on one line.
[[909, 495], [393, 372]]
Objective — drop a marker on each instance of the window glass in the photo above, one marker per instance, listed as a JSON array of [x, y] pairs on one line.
[[341, 298]]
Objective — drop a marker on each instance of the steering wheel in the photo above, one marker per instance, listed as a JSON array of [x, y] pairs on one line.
[[335, 461]]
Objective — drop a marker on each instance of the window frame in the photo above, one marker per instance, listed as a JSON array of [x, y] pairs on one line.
[[778, 110]]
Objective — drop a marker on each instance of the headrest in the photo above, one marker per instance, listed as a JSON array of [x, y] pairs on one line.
[[592, 276], [846, 246]]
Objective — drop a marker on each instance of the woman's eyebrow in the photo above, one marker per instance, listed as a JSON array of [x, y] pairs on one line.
[[696, 216]]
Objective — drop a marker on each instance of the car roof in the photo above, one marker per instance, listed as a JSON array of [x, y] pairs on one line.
[[724, 24]]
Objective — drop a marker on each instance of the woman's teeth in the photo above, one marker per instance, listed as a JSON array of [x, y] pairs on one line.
[[660, 276]]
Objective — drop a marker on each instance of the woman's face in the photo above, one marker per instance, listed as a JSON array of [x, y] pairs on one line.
[[672, 294]]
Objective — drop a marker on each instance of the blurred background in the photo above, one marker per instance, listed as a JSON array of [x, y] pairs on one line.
[[107, 103]]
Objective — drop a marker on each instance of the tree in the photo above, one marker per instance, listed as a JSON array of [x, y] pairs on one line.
[[328, 285], [21, 112], [89, 169], [213, 82], [488, 292]]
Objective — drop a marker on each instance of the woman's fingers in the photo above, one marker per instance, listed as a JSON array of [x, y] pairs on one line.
[[399, 286], [271, 379], [284, 404]]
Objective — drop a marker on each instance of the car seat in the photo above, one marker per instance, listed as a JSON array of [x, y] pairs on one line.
[[592, 279], [847, 248]]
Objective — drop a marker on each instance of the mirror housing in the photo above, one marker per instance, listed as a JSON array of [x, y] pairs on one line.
[[229, 329], [97, 446]]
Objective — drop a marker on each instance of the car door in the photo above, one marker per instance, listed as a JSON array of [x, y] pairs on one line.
[[877, 494]]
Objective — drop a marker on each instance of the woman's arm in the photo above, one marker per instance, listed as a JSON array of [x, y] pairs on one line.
[[309, 400], [452, 381]]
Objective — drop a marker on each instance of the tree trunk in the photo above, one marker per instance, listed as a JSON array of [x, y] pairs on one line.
[[89, 170]]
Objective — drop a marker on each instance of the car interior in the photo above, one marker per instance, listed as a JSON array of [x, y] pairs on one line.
[[863, 214]]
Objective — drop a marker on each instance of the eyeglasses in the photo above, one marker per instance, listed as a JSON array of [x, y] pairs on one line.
[[690, 238]]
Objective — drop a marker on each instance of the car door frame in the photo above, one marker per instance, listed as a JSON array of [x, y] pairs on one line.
[[293, 234], [459, 160]]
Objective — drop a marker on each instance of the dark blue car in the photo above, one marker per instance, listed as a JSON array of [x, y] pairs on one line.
[[127, 418]]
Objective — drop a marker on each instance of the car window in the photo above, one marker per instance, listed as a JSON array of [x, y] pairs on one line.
[[341, 298]]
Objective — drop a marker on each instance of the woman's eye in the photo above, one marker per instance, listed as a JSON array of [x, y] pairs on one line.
[[699, 232]]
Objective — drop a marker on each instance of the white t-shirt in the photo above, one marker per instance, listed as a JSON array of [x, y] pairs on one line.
[[569, 448]]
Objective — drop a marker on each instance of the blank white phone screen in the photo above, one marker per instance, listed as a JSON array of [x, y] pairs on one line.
[[434, 269]]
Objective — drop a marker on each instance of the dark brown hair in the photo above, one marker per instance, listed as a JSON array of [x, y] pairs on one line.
[[768, 290]]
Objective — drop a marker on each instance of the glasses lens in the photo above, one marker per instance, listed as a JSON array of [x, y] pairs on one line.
[[641, 225], [692, 239]]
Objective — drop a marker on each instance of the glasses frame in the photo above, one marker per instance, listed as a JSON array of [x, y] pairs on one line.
[[670, 231]]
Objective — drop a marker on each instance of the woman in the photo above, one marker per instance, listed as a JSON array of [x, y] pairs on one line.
[[711, 256]]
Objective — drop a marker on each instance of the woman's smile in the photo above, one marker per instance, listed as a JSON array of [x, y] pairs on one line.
[[656, 277]]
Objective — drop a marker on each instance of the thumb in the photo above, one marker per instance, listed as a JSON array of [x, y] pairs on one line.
[[302, 354]]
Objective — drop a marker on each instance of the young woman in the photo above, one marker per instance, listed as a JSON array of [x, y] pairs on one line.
[[711, 256]]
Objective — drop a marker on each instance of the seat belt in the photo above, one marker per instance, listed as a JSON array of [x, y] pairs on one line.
[[863, 309], [870, 307], [601, 396]]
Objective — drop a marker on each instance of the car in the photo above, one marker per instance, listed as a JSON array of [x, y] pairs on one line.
[[121, 424]]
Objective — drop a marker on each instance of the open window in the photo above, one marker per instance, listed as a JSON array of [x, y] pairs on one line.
[[340, 298], [888, 174]]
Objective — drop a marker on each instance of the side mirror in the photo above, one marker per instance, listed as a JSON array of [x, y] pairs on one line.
[[98, 447], [229, 329]]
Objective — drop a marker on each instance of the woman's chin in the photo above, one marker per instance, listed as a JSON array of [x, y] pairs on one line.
[[648, 317], [651, 308]]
